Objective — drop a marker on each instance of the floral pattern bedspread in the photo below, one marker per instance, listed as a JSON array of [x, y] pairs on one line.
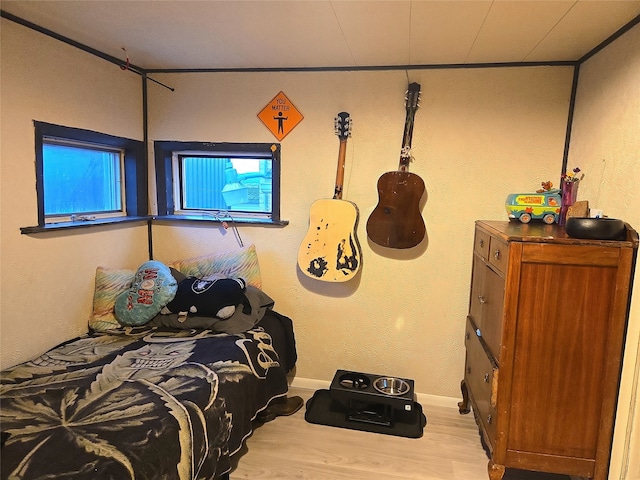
[[136, 403]]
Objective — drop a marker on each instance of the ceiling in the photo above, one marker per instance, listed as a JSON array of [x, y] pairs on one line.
[[274, 34]]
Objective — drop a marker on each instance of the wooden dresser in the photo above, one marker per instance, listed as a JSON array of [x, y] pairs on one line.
[[544, 342]]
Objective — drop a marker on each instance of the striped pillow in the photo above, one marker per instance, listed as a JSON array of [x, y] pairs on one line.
[[110, 283], [241, 263]]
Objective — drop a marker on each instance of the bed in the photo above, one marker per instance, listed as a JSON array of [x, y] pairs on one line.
[[154, 401]]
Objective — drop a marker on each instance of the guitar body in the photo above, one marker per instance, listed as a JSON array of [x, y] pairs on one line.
[[330, 250], [397, 222]]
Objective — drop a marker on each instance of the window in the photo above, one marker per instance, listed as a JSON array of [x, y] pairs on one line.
[[86, 175], [81, 179], [237, 181]]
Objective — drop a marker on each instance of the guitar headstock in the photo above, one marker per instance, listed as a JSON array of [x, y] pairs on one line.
[[343, 125], [413, 96]]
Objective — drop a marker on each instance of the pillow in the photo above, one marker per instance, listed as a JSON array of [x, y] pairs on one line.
[[110, 283], [152, 288], [239, 322], [241, 263]]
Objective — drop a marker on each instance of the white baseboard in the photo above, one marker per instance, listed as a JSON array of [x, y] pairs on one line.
[[438, 400], [310, 383], [423, 398]]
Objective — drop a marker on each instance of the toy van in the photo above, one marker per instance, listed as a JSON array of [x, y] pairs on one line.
[[543, 206]]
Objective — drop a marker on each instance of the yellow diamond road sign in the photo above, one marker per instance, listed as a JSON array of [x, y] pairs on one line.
[[280, 116]]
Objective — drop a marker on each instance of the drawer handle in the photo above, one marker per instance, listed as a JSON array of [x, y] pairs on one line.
[[497, 255], [489, 419], [486, 378], [481, 243], [481, 299]]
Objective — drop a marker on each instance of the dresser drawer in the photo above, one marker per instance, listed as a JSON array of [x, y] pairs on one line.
[[481, 243], [498, 254], [481, 377]]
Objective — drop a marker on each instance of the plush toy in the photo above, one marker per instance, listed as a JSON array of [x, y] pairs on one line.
[[152, 288], [213, 297], [546, 186]]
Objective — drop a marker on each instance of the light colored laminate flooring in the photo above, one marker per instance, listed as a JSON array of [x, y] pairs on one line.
[[289, 448]]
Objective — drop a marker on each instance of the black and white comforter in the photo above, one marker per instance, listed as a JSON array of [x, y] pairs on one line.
[[139, 403]]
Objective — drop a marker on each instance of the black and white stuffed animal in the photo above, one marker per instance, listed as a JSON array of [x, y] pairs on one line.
[[217, 297]]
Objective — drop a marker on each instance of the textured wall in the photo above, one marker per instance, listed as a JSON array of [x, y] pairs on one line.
[[606, 146], [479, 135], [47, 278]]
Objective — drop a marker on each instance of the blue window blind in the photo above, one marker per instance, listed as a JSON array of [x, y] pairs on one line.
[[203, 180], [81, 179], [225, 183]]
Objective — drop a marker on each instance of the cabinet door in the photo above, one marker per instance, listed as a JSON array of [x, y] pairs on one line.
[[486, 304], [492, 309], [476, 300], [566, 352]]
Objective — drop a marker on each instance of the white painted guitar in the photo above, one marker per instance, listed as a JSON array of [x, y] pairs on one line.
[[330, 250]]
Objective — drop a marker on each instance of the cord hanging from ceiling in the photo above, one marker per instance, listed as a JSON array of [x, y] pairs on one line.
[[126, 66]]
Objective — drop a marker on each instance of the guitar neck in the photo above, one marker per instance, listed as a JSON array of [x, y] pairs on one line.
[[405, 153], [337, 195], [413, 94]]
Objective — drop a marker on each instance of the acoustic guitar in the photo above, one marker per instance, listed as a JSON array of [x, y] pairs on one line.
[[397, 222], [330, 250]]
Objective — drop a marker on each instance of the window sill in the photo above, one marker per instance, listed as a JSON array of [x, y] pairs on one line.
[[52, 227], [201, 218]]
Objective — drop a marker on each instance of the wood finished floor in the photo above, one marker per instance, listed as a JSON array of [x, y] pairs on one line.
[[289, 448]]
